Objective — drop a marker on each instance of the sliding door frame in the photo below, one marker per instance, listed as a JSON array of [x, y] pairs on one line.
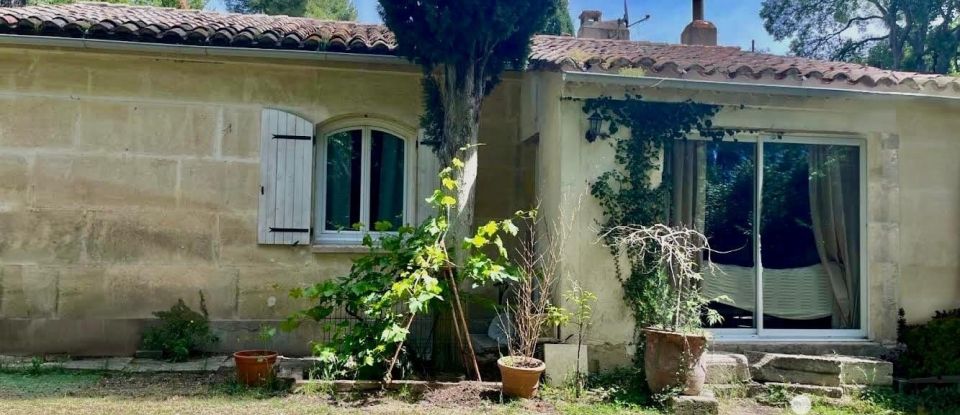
[[759, 332]]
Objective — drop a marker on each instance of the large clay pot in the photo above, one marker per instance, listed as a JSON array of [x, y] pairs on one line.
[[254, 367], [665, 352], [520, 375]]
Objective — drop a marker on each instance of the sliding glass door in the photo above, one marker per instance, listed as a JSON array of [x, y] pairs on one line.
[[784, 216]]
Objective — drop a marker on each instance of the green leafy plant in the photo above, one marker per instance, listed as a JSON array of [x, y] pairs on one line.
[[930, 349], [641, 132], [181, 332], [582, 301], [403, 275]]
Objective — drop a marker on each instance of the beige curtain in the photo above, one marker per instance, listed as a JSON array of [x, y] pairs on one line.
[[834, 207], [687, 170]]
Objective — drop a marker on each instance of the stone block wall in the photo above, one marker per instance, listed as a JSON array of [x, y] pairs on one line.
[[129, 181]]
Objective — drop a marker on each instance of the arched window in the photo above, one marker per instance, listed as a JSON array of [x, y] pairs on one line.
[[364, 178]]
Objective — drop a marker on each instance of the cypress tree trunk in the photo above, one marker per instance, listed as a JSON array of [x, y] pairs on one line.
[[461, 101]]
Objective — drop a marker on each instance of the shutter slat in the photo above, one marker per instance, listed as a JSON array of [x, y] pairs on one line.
[[286, 161]]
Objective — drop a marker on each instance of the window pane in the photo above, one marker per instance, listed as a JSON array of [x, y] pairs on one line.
[[386, 181], [343, 180], [728, 223], [809, 233]]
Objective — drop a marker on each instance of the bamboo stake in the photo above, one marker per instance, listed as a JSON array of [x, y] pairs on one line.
[[458, 310], [396, 354]]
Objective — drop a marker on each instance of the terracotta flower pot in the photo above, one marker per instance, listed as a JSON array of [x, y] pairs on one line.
[[254, 367], [669, 356], [520, 375]]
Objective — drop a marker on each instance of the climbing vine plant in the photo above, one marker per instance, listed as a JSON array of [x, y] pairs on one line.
[[629, 195]]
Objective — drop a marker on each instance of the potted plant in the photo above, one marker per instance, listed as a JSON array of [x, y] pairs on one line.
[[255, 367], [675, 344], [529, 307]]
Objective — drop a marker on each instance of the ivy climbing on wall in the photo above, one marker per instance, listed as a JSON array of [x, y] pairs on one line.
[[641, 133]]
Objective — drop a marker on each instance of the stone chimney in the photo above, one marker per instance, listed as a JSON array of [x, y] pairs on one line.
[[699, 31], [592, 27]]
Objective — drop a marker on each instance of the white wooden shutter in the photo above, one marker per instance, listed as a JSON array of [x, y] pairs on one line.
[[428, 166], [286, 178]]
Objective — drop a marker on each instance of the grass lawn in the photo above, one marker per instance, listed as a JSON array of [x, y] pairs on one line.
[[53, 391], [63, 392]]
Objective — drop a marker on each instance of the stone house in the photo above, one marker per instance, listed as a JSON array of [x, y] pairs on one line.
[[147, 154]]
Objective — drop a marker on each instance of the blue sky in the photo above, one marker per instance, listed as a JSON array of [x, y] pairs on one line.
[[738, 20]]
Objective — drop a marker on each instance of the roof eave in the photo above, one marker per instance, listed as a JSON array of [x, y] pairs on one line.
[[755, 88], [193, 50]]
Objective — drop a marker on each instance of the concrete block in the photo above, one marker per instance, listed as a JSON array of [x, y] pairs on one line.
[[291, 87], [196, 80], [28, 291], [119, 126], [220, 185], [240, 133], [244, 335], [108, 363], [238, 245], [53, 73], [41, 236], [64, 181], [832, 371], [207, 364], [264, 291], [138, 291], [106, 125], [155, 236], [726, 368], [14, 186], [695, 405], [175, 129], [74, 337], [561, 360], [27, 121]]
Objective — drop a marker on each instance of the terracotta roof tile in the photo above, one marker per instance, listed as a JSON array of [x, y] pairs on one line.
[[152, 24], [720, 63]]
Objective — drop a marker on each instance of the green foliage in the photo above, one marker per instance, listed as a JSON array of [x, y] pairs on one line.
[[318, 9], [628, 195], [463, 47], [193, 4], [560, 23], [403, 275], [916, 35], [885, 401], [181, 332], [931, 348], [625, 385]]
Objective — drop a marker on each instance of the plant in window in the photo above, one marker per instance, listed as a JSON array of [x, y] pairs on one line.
[[405, 274]]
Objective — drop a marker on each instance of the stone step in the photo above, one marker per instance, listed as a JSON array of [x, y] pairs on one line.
[[726, 368], [843, 348], [830, 370], [752, 390]]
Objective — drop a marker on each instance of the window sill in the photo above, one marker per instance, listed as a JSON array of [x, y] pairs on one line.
[[339, 249]]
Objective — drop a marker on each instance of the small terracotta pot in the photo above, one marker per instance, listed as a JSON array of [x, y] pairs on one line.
[[520, 382], [254, 367], [663, 356]]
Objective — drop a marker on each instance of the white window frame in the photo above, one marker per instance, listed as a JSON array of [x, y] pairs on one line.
[[787, 335], [350, 237]]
